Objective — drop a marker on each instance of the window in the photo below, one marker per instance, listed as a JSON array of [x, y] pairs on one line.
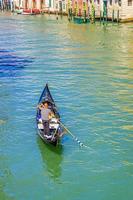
[[64, 6], [119, 2], [98, 1], [129, 2], [56, 6]]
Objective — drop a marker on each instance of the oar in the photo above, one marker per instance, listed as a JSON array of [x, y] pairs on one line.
[[74, 137], [54, 133]]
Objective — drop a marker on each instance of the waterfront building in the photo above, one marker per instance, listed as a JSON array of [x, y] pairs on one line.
[[80, 7], [5, 4], [121, 10], [18, 4], [115, 10], [62, 6], [28, 4], [49, 6], [33, 4], [56, 6]]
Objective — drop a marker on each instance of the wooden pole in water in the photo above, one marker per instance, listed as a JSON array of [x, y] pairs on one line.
[[94, 15], [113, 15], [57, 15], [2, 5], [104, 11], [117, 16], [92, 12], [84, 9], [106, 16], [103, 17], [71, 13], [100, 16], [68, 14]]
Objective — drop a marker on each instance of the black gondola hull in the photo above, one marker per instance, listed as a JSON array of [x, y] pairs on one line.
[[55, 138], [53, 142]]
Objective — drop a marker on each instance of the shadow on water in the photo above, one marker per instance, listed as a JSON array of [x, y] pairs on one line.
[[10, 63], [51, 157], [5, 176], [4, 195]]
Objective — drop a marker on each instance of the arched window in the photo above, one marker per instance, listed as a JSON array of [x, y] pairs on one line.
[[130, 2], [34, 3], [98, 1], [119, 2], [42, 4], [26, 4]]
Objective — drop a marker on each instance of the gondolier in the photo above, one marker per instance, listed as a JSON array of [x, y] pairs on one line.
[[48, 119], [46, 114]]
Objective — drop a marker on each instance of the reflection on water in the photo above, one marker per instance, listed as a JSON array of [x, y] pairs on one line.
[[2, 121], [52, 158], [10, 63], [3, 195], [5, 173]]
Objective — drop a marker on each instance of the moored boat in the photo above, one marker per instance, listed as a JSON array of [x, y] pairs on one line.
[[31, 12], [81, 20], [18, 11], [27, 12], [55, 129]]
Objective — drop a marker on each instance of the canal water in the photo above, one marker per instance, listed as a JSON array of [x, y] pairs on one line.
[[89, 69]]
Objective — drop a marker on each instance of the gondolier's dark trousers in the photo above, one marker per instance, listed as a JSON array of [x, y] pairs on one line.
[[46, 127]]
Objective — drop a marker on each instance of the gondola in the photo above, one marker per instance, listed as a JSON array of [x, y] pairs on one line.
[[55, 129]]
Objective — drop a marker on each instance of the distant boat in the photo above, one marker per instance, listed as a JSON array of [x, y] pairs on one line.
[[27, 12], [55, 129], [19, 11], [81, 20], [30, 11]]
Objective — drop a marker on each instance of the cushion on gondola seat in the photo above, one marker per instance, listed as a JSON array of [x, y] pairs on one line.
[[54, 120], [53, 123], [40, 120], [40, 126]]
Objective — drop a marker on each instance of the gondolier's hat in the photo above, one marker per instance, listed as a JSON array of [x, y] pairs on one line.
[[45, 101]]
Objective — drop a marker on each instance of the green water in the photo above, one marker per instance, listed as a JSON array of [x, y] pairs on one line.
[[89, 69]]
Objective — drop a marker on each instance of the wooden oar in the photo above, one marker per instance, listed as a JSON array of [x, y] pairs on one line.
[[54, 133], [74, 137]]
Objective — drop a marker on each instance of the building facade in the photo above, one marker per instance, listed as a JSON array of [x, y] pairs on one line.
[[110, 9], [80, 7], [5, 4], [126, 10], [122, 9]]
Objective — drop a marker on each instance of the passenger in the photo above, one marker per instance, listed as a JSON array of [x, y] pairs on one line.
[[46, 114]]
